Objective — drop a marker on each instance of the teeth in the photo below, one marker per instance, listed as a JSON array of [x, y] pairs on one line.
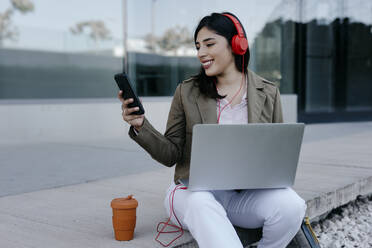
[[207, 63]]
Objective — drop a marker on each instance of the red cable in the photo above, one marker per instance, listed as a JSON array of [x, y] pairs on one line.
[[171, 196], [237, 93], [165, 224]]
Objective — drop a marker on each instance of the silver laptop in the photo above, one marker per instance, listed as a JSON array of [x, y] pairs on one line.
[[250, 156]]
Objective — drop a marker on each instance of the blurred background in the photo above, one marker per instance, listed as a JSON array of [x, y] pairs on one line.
[[320, 51], [61, 123]]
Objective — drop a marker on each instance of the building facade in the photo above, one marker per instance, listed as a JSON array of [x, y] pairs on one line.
[[319, 50]]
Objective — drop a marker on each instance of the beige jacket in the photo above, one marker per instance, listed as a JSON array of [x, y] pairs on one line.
[[190, 107]]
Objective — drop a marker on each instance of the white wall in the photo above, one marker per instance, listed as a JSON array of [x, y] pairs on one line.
[[62, 120], [289, 105]]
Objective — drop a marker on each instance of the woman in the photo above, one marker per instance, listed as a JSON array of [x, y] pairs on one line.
[[224, 91]]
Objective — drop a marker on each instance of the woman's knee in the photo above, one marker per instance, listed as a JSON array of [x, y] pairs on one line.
[[285, 204], [292, 208]]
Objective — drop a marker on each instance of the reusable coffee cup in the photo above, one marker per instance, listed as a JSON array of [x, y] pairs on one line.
[[124, 217]]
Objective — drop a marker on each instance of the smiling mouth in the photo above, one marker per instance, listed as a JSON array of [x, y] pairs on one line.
[[207, 64]]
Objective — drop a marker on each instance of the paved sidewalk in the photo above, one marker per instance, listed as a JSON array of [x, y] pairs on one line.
[[334, 168]]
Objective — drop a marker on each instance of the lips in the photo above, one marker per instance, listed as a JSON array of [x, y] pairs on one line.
[[207, 63]]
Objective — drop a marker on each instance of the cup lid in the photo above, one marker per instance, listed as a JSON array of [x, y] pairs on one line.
[[124, 203]]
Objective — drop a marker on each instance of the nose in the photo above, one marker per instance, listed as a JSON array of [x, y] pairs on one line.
[[201, 52]]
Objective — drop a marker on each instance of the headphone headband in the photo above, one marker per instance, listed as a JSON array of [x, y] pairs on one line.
[[239, 42], [237, 25]]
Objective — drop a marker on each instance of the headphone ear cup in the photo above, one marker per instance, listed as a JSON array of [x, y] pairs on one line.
[[239, 45]]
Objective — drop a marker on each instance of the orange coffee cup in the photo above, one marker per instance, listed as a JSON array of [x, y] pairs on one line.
[[124, 217]]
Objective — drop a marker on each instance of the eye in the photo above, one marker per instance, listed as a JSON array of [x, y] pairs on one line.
[[209, 45]]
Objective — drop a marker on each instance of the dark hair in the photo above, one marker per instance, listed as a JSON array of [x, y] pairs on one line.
[[223, 26]]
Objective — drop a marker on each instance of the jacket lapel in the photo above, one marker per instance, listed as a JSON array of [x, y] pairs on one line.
[[256, 97], [207, 108]]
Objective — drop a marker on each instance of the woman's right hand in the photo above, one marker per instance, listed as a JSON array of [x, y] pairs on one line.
[[134, 120]]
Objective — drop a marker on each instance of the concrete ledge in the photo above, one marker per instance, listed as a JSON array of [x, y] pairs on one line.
[[322, 204]]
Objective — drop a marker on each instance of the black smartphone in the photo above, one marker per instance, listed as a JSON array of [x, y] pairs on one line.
[[124, 85]]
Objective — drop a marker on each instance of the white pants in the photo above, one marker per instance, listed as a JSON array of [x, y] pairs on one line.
[[210, 215]]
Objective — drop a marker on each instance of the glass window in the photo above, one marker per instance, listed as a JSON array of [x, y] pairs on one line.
[[60, 49], [161, 50], [337, 54], [320, 19], [358, 46]]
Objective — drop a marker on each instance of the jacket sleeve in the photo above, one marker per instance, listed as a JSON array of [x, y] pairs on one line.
[[277, 111], [167, 148]]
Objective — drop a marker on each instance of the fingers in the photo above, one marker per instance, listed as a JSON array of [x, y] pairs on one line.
[[127, 114], [120, 96], [128, 111], [127, 101]]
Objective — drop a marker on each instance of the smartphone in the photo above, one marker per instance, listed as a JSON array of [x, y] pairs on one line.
[[124, 85]]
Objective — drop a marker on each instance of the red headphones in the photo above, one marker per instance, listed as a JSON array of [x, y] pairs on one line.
[[239, 43]]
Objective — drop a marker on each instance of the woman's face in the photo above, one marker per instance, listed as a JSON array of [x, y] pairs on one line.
[[214, 53]]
